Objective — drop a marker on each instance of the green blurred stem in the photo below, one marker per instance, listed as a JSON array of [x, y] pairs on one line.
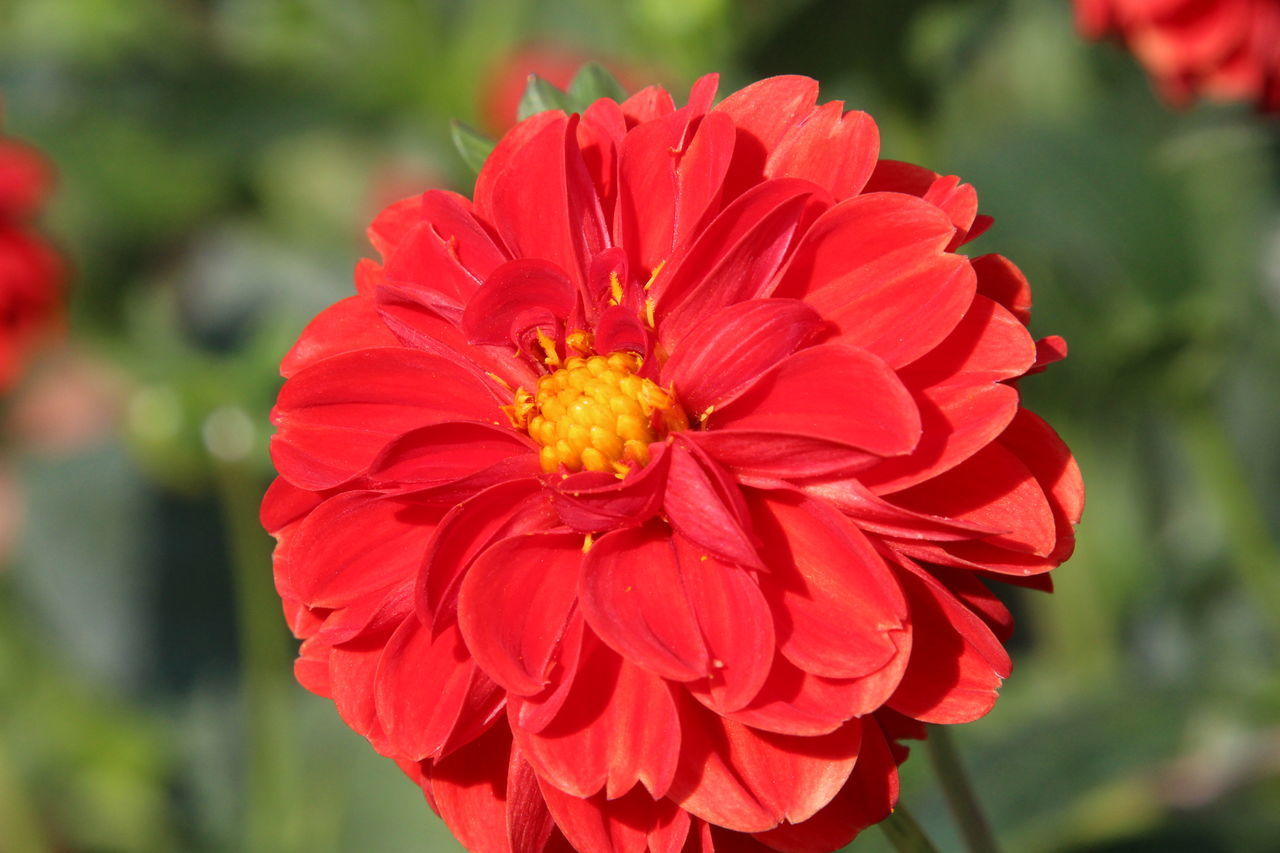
[[904, 833], [264, 657], [20, 829], [961, 799], [1254, 552]]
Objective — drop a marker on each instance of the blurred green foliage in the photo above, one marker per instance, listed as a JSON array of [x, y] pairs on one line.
[[219, 160]]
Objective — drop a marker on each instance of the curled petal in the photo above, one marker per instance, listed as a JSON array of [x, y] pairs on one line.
[[514, 604]]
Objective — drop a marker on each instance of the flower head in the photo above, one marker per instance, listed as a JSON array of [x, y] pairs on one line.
[[30, 272], [1227, 49], [649, 498]]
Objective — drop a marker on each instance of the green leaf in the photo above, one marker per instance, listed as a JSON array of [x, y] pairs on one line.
[[593, 82], [540, 96], [473, 145]]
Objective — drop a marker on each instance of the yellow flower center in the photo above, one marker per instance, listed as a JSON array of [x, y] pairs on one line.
[[596, 414]]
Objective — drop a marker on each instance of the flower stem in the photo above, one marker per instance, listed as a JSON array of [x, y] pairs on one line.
[[959, 793], [264, 656], [904, 833]]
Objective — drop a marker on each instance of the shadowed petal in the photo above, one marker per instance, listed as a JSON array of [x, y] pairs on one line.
[[957, 664]]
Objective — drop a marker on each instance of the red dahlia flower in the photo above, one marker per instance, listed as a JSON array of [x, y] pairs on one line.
[[30, 272], [648, 498], [1227, 49]]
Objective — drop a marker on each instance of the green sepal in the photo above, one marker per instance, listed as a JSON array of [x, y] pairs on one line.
[[540, 96], [591, 83], [473, 145]]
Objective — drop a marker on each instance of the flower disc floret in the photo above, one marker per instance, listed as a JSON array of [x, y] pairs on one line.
[[596, 414]]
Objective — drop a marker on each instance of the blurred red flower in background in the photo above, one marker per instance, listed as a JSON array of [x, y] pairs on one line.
[[648, 500], [1228, 49], [30, 272]]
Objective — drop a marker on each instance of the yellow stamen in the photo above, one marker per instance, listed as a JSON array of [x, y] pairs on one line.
[[579, 341], [596, 414], [549, 347], [615, 289], [653, 276]]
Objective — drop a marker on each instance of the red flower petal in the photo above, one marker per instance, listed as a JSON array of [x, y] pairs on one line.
[[447, 255], [957, 664], [749, 781], [735, 257], [988, 345], [445, 452], [632, 593], [500, 511], [518, 295], [799, 397], [762, 454], [837, 150], [867, 798], [705, 505], [993, 489], [430, 693], [514, 603], [1000, 280], [669, 175], [469, 789], [335, 416], [1044, 452], [565, 225], [632, 824], [795, 702], [763, 113], [619, 726], [734, 345], [835, 602], [877, 515], [355, 545], [590, 501], [346, 325], [957, 421], [876, 266]]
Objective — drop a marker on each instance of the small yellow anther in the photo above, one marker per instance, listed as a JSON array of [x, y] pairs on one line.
[[615, 289], [549, 348]]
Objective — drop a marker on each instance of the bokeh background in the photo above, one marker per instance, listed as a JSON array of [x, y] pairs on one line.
[[218, 162]]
